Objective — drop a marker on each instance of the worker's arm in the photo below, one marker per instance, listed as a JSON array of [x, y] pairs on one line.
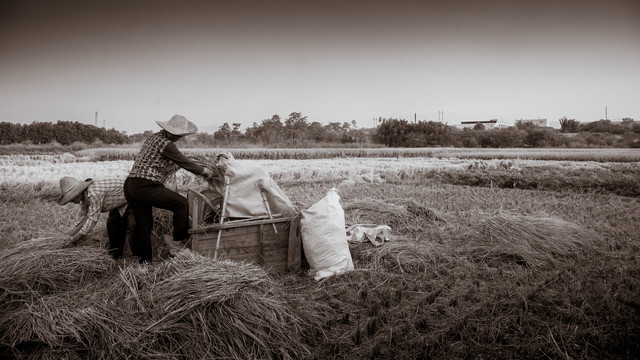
[[93, 212], [172, 152], [77, 228]]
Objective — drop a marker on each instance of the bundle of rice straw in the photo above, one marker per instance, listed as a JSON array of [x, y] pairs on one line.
[[394, 214], [33, 271], [47, 265], [529, 240], [198, 307], [218, 165], [75, 303]]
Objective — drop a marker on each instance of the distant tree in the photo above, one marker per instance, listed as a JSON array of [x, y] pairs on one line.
[[470, 142], [393, 132], [204, 139], [502, 138], [223, 134], [431, 133], [478, 126], [536, 138], [67, 133], [137, 138], [316, 132], [333, 126], [296, 127], [525, 125], [11, 133], [569, 125], [271, 130], [628, 123], [602, 126], [236, 134]]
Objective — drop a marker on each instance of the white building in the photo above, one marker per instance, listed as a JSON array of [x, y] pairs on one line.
[[488, 124], [536, 122]]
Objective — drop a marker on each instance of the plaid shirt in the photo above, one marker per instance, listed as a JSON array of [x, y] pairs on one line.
[[101, 196], [150, 164]]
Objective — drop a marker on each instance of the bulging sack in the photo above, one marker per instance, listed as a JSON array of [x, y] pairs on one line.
[[324, 237]]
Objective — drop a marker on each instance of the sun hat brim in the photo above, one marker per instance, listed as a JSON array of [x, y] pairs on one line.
[[74, 191], [178, 125]]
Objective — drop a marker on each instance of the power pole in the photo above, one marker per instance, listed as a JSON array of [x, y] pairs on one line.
[[606, 116], [96, 119]]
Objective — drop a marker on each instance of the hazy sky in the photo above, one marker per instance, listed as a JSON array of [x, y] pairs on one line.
[[135, 62]]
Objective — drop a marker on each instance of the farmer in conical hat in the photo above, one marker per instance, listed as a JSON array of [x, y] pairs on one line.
[[98, 196], [144, 188]]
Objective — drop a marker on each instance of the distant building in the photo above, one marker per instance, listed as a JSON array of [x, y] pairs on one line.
[[488, 124], [536, 122]]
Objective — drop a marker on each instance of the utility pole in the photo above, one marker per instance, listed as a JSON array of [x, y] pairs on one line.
[[415, 118], [103, 123], [96, 119], [606, 116]]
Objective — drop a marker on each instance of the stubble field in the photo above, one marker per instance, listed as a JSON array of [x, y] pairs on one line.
[[501, 255]]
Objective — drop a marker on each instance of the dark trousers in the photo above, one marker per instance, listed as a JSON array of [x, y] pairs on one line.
[[142, 195], [117, 229]]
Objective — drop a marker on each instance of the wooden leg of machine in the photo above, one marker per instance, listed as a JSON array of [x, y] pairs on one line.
[[224, 209], [266, 205]]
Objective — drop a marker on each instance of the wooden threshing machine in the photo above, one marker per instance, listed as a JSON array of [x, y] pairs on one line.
[[240, 225]]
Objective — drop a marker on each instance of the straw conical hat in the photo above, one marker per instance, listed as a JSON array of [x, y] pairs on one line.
[[178, 125], [71, 188]]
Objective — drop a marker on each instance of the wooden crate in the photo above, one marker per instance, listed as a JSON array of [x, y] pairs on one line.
[[253, 240]]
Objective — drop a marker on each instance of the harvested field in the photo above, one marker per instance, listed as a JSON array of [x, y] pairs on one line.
[[474, 269]]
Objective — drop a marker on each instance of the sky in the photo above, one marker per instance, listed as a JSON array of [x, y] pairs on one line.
[[135, 62]]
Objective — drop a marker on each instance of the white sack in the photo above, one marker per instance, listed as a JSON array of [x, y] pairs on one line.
[[324, 237], [247, 182]]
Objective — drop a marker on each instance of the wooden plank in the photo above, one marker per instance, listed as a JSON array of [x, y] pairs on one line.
[[249, 229], [253, 251], [270, 240], [228, 225], [254, 255], [240, 241], [261, 253], [276, 261], [294, 250]]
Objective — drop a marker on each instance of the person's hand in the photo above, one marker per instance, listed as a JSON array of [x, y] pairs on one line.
[[207, 173], [69, 241]]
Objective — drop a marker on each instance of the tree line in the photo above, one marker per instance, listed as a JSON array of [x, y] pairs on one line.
[[294, 131], [602, 133], [62, 132], [297, 131]]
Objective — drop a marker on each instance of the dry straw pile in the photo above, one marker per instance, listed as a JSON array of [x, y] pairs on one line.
[[400, 214], [61, 302], [531, 240]]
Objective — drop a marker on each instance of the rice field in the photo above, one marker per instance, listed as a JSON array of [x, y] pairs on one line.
[[567, 154], [520, 255]]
